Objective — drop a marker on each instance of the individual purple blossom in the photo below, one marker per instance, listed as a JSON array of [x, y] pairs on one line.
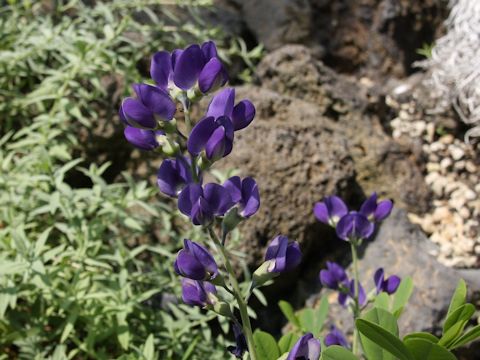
[[195, 262], [152, 104], [376, 211], [354, 226], [306, 348], [174, 174], [223, 104], [333, 276], [212, 135], [245, 194], [282, 254], [143, 139], [350, 293], [330, 210], [241, 342], [201, 205], [185, 68], [198, 293], [388, 285], [336, 337]]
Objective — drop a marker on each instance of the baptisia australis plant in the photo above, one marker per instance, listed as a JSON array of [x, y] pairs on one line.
[[153, 122]]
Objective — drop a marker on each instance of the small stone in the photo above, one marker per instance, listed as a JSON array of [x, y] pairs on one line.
[[431, 178], [431, 167], [437, 146], [471, 167], [456, 152], [403, 114], [441, 213], [464, 213], [459, 165], [446, 163], [470, 194], [447, 139]]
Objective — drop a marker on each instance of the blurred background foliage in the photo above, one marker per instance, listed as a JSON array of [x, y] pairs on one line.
[[86, 266]]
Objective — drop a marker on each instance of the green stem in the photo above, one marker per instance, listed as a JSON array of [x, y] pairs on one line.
[[237, 293], [356, 306]]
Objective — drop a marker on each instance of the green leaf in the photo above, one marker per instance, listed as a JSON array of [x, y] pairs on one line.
[[470, 335], [421, 335], [70, 323], [287, 341], [336, 352], [423, 349], [289, 313], [382, 300], [459, 297], [453, 334], [461, 314], [307, 320], [384, 339], [265, 345], [388, 322], [402, 295], [321, 315], [148, 348]]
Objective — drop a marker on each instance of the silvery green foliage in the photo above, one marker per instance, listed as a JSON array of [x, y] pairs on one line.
[[78, 276], [455, 64]]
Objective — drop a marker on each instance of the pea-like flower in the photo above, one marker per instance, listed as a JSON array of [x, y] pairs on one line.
[[223, 104], [354, 226], [306, 348], [198, 293], [195, 262], [333, 276], [212, 135], [282, 255], [152, 104], [241, 342], [174, 174], [330, 210], [245, 194], [143, 139], [349, 293], [388, 285], [201, 205], [336, 337], [374, 210], [196, 64]]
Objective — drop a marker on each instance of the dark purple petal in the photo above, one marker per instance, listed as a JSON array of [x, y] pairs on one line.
[[354, 226], [222, 103], [336, 207], [200, 134], [277, 253], [234, 186], [189, 197], [229, 133], [161, 68], [293, 257], [362, 297], [250, 199], [243, 114], [196, 293], [391, 284], [189, 266], [188, 66], [137, 114], [175, 55], [368, 207], [212, 76], [204, 257], [336, 337], [218, 198], [141, 138], [342, 298], [306, 348], [216, 144], [378, 278], [201, 214], [157, 100], [384, 208], [122, 115], [173, 175], [209, 50], [333, 276], [321, 212], [241, 342]]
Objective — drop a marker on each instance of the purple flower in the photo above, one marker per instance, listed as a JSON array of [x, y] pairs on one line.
[[241, 342], [214, 135], [389, 285], [173, 175], [333, 276], [306, 348], [152, 103], [142, 138], [223, 104], [198, 293], [330, 210], [202, 204], [354, 226], [336, 337], [350, 293], [245, 194], [376, 211], [185, 68], [195, 262], [282, 255]]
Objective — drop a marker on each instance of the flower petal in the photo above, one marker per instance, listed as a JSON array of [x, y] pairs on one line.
[[368, 207], [189, 266], [392, 284], [212, 76], [137, 114], [336, 207], [215, 147], [200, 134], [293, 256], [204, 257], [383, 210], [250, 200], [161, 68], [321, 212], [209, 50], [243, 114], [218, 198], [277, 251], [188, 66], [173, 174], [142, 138], [188, 197], [222, 103], [234, 186], [378, 278], [157, 100]]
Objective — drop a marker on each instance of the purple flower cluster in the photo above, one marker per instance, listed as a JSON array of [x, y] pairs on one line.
[[353, 226], [306, 348]]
